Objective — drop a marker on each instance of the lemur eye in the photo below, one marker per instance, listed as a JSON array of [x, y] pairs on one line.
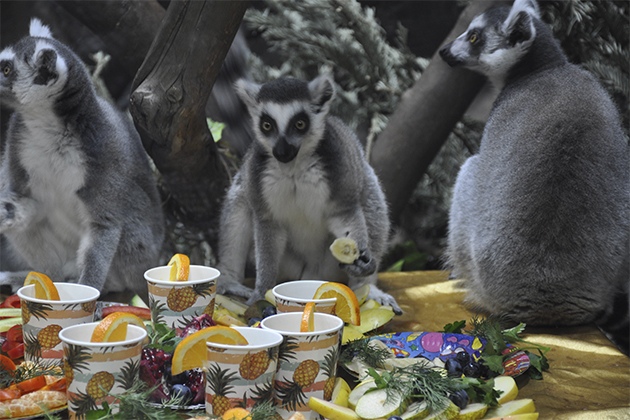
[[300, 124], [266, 126], [473, 37], [6, 70]]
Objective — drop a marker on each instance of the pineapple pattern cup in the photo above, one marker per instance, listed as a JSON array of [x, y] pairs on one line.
[[42, 320], [175, 303], [241, 375], [307, 361], [293, 296], [96, 372]]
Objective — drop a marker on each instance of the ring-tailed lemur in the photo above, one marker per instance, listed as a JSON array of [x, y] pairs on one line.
[[78, 200], [304, 182], [539, 224]]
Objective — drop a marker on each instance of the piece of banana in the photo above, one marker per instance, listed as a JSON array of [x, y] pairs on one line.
[[345, 250]]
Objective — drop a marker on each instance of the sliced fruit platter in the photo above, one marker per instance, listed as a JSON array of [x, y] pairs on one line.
[[452, 374]]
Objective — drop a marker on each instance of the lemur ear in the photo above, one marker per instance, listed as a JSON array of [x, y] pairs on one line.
[[322, 91], [248, 92], [519, 25], [39, 30], [46, 65]]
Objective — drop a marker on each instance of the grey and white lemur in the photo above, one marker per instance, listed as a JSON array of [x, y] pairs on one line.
[[304, 182], [540, 217], [78, 200]]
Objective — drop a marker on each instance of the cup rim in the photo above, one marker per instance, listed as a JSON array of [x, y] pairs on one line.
[[63, 338], [21, 294], [277, 340], [304, 334], [213, 276], [275, 293]]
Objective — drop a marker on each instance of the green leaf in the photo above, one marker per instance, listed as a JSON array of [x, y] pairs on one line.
[[216, 128], [494, 362], [538, 364], [378, 379], [455, 328], [511, 335]]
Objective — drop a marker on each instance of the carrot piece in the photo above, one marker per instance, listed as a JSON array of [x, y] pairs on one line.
[[58, 385], [6, 363], [32, 384], [9, 394]]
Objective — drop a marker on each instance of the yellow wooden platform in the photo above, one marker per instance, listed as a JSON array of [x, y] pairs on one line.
[[588, 378]]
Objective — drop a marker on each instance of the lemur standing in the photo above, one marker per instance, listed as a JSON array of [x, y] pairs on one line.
[[78, 200], [304, 182], [540, 217]]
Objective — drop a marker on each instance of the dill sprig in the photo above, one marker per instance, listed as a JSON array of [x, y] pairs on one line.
[[134, 403], [263, 411], [417, 382], [25, 371], [361, 349]]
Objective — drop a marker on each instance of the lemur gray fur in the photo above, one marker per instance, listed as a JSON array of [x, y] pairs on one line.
[[304, 182], [540, 217], [78, 200]]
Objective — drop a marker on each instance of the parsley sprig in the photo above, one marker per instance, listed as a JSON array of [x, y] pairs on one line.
[[499, 339]]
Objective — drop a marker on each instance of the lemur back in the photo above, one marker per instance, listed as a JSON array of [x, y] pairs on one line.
[[539, 222], [304, 182], [78, 200]]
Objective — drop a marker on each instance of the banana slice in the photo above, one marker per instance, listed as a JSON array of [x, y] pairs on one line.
[[345, 250]]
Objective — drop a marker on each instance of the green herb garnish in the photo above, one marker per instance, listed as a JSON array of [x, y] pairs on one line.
[[361, 349]]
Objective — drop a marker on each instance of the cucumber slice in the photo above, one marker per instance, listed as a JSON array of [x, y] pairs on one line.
[[451, 411], [474, 411], [510, 408], [416, 411], [378, 404]]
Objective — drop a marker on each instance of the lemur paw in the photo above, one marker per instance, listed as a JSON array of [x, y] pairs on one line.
[[384, 299], [363, 266], [7, 215], [231, 287]]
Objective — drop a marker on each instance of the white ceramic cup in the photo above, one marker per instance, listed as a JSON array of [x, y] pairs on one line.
[[307, 362]]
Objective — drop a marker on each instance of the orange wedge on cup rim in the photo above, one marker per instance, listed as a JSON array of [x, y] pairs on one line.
[[347, 306], [44, 287], [180, 267], [191, 352], [114, 327]]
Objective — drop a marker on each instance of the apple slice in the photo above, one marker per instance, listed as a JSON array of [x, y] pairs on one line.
[[507, 387], [360, 390], [350, 333], [341, 392], [371, 319], [380, 403], [510, 408], [331, 410]]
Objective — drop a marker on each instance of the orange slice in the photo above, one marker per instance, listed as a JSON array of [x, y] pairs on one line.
[[114, 327], [347, 305], [180, 267], [44, 287], [308, 318], [191, 352]]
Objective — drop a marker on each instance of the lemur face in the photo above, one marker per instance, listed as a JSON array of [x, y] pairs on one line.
[[495, 41], [288, 114], [32, 71]]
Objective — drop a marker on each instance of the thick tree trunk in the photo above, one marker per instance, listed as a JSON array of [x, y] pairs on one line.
[[423, 120], [168, 103]]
